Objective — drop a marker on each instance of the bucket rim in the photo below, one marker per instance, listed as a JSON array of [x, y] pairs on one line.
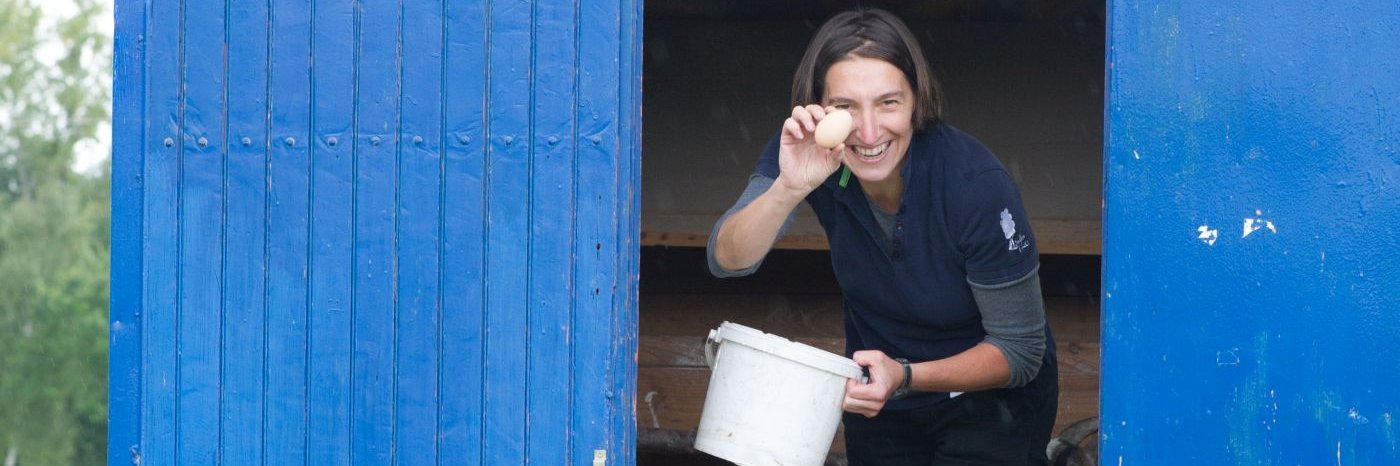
[[808, 355]]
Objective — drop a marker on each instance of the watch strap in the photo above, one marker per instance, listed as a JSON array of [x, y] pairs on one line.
[[904, 385]]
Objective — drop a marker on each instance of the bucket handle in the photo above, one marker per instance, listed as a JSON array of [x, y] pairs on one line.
[[710, 343]]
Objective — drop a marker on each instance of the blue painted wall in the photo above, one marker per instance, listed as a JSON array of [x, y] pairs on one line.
[[1251, 281], [375, 232]]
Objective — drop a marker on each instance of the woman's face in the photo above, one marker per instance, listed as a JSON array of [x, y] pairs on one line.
[[881, 103]]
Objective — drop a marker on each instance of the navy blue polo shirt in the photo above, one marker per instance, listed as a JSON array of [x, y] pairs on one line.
[[960, 220]]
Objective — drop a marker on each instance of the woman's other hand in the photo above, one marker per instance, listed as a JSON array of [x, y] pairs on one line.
[[886, 375]]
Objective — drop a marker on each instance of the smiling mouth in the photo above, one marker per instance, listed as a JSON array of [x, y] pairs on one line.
[[872, 152]]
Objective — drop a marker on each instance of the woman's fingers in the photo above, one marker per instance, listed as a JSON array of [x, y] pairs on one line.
[[858, 399], [876, 361], [792, 128], [866, 391], [863, 408], [804, 118], [808, 116]]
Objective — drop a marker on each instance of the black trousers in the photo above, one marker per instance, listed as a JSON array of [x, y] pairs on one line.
[[993, 427]]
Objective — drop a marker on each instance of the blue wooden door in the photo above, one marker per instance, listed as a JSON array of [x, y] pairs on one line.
[[1250, 272], [374, 232]]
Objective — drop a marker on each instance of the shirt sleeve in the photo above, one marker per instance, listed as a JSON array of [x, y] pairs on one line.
[[762, 179], [995, 236], [758, 184]]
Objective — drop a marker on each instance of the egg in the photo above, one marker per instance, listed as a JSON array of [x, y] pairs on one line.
[[833, 129]]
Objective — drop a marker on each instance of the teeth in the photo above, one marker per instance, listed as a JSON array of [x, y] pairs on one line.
[[873, 151]]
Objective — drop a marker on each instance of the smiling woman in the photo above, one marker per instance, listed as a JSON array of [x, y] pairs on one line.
[[1024, 78], [945, 315]]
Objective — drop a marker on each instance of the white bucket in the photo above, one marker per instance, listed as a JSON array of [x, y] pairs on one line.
[[771, 401]]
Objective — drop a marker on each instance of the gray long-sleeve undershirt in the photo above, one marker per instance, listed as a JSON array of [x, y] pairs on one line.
[[758, 184], [1013, 314]]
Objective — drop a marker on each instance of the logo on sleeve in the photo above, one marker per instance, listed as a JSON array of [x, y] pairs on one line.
[[1014, 242]]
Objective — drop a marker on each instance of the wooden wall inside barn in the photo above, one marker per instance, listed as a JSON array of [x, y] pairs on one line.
[[795, 296]]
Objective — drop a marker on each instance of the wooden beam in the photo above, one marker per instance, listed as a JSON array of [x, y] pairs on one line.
[[673, 398], [1055, 236]]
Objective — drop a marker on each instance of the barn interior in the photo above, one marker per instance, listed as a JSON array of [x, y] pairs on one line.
[[1025, 77]]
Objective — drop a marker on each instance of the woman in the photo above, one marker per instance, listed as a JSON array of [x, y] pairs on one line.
[[930, 244]]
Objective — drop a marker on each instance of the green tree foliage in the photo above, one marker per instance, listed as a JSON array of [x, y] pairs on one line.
[[55, 78]]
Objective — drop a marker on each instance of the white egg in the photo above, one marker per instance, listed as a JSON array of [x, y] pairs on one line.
[[833, 129]]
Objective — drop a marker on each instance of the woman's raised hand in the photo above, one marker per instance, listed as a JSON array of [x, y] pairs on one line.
[[804, 164]]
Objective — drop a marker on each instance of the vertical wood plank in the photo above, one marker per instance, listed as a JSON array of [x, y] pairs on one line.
[[596, 237], [551, 245], [128, 135], [507, 236], [376, 127], [624, 324], [418, 252], [201, 236], [245, 289], [332, 226], [464, 95], [288, 233], [160, 257]]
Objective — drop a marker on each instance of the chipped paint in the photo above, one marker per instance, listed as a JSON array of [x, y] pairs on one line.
[[1256, 223], [1357, 418], [1207, 234]]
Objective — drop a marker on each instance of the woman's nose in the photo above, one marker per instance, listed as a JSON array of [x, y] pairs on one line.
[[867, 129]]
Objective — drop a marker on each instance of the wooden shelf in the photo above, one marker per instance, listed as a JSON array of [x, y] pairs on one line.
[[1056, 236]]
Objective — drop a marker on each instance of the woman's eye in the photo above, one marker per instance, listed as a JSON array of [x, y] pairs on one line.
[[842, 106], [890, 103]]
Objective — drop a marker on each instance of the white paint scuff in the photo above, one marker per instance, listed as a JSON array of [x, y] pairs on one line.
[[1207, 234], [1357, 418], [1256, 223]]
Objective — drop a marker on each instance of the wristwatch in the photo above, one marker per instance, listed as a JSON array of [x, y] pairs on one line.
[[903, 386]]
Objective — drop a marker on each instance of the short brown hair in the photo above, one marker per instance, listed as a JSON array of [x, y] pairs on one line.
[[868, 33]]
